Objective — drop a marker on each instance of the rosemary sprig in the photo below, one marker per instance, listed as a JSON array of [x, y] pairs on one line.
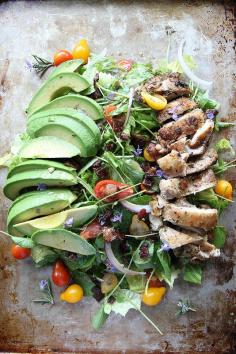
[[45, 288], [41, 65], [184, 307]]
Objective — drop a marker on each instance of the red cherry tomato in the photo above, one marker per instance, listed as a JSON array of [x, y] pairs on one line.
[[60, 274], [61, 56], [107, 113], [19, 252], [92, 230], [125, 64], [108, 186]]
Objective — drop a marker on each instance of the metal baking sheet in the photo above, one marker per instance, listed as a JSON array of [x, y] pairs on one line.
[[127, 29]]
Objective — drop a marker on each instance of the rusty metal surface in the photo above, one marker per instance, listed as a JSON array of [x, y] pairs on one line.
[[135, 30]]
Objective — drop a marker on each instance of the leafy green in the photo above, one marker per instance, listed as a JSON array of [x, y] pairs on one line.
[[79, 262], [125, 300], [99, 318], [193, 273], [164, 66], [204, 102], [209, 197], [126, 219], [221, 125], [146, 120], [222, 166], [86, 186], [138, 74], [223, 144], [84, 281], [136, 282], [89, 177], [219, 236], [141, 199], [107, 80], [144, 262], [42, 255], [162, 263]]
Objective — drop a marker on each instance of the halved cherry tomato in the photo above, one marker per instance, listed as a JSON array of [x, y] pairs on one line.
[[19, 252], [60, 274], [224, 188], [154, 282], [81, 50], [125, 64], [153, 296], [72, 294], [61, 56], [92, 230], [108, 186], [107, 113], [156, 102]]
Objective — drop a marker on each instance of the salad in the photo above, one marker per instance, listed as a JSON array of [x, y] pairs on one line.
[[114, 183]]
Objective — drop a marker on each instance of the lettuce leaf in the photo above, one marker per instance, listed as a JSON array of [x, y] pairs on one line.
[[193, 273]]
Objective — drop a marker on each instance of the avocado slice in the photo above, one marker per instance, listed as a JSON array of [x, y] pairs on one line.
[[57, 86], [33, 178], [48, 147], [63, 240], [78, 217], [68, 66], [38, 203], [78, 102], [71, 113], [71, 130], [30, 165]]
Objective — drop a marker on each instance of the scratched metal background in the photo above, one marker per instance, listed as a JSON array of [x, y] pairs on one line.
[[136, 30]]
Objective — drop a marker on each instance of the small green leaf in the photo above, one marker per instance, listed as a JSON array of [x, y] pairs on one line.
[[219, 233], [125, 300], [84, 281], [99, 318], [193, 273], [136, 282], [23, 242], [223, 144]]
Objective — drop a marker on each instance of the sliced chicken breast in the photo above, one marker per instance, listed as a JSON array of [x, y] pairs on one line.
[[176, 239], [176, 108], [179, 145], [202, 251], [190, 216], [180, 187], [202, 135], [187, 125], [157, 205], [202, 163], [155, 222], [174, 164]]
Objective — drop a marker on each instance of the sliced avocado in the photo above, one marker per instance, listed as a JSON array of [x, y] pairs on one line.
[[63, 240], [33, 178], [58, 85], [39, 164], [42, 255], [66, 128], [77, 217], [38, 203], [71, 113], [48, 147], [78, 102], [68, 66]]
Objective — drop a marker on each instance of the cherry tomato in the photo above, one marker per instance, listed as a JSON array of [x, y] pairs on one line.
[[125, 64], [109, 282], [61, 56], [154, 282], [60, 274], [107, 113], [19, 252], [108, 186], [224, 188], [92, 230], [72, 294], [81, 50], [148, 156], [153, 296]]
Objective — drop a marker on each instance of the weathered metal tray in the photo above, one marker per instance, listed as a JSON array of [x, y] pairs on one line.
[[136, 30]]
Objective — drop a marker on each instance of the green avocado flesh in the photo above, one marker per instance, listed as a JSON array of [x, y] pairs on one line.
[[48, 147], [78, 102], [39, 164], [57, 86], [66, 128], [33, 178], [38, 203], [78, 217], [80, 117], [63, 240], [68, 66]]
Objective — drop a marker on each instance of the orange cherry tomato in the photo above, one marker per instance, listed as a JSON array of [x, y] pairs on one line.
[[125, 64], [81, 50], [74, 293], [92, 230], [224, 188], [107, 113], [19, 252], [60, 274], [108, 186], [153, 296], [61, 56]]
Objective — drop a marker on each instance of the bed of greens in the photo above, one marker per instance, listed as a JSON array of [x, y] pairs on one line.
[[114, 163]]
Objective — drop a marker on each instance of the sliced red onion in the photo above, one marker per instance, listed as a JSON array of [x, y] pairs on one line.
[[203, 84], [114, 261], [135, 207]]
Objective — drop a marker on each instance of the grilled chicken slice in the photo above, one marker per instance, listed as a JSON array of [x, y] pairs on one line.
[[176, 108], [179, 145], [202, 135], [195, 152], [176, 239], [180, 187], [190, 216], [174, 164], [202, 163], [202, 251], [170, 86], [157, 205], [187, 125], [155, 222]]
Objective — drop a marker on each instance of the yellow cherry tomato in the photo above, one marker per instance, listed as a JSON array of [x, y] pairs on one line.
[[81, 50], [224, 188], [72, 294], [153, 296], [156, 102], [147, 156]]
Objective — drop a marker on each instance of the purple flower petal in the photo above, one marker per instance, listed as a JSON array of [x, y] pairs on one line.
[[159, 173], [117, 217], [28, 65], [165, 247], [69, 222], [110, 267], [210, 115], [43, 284], [138, 152], [41, 187], [175, 116]]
